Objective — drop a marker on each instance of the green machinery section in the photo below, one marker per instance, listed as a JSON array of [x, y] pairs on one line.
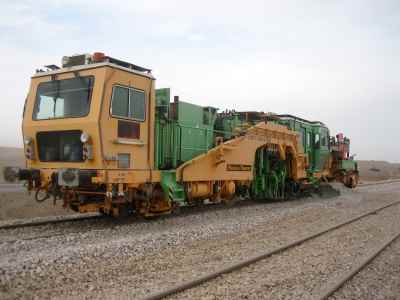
[[269, 176], [227, 127], [230, 124], [314, 137], [340, 148], [348, 165], [183, 130], [171, 188]]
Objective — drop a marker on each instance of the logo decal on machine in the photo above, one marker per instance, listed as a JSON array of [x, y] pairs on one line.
[[238, 167]]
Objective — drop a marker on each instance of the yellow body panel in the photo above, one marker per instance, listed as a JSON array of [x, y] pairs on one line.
[[101, 126], [216, 163]]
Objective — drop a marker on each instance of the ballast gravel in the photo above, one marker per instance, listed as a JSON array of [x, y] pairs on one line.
[[379, 280], [303, 272], [133, 259]]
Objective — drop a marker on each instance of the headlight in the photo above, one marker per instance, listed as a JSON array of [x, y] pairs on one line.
[[28, 141], [85, 137]]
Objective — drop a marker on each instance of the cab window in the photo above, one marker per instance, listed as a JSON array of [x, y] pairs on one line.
[[316, 140], [128, 103], [323, 141], [66, 98], [308, 139], [303, 136]]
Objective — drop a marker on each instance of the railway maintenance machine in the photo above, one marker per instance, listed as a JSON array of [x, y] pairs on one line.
[[99, 137]]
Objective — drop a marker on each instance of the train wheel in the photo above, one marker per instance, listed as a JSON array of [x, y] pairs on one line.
[[293, 190], [230, 202]]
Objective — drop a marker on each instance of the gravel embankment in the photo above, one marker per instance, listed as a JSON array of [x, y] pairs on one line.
[[131, 260]]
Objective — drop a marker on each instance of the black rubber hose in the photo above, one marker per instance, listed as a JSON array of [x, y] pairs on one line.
[[47, 196]]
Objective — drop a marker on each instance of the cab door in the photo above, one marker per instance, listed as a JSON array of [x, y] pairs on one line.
[[320, 148], [308, 147], [127, 122], [324, 148]]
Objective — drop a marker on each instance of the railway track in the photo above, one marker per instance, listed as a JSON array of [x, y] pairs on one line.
[[379, 182], [49, 220], [330, 288], [93, 216], [325, 291], [105, 222], [129, 243]]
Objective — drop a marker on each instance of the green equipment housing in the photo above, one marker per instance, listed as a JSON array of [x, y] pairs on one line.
[[183, 130]]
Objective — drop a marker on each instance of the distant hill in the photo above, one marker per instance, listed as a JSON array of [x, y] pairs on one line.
[[371, 170]]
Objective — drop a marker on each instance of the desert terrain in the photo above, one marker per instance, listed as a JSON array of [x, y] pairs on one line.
[[15, 202], [371, 170]]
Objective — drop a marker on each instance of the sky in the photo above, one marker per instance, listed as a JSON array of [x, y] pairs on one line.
[[333, 61]]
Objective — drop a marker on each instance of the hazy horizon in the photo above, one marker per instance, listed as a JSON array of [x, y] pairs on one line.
[[335, 62]]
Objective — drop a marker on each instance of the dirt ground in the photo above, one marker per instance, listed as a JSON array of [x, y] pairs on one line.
[[10, 157], [19, 205], [15, 205]]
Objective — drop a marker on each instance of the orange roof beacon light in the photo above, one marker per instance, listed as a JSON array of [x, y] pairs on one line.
[[98, 57]]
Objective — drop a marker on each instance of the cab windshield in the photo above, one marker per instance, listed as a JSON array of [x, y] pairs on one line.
[[67, 98]]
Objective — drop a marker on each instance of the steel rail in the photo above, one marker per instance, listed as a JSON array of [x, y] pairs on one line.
[[49, 221], [76, 218], [31, 238], [243, 263], [47, 236], [378, 182], [330, 288], [67, 219]]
